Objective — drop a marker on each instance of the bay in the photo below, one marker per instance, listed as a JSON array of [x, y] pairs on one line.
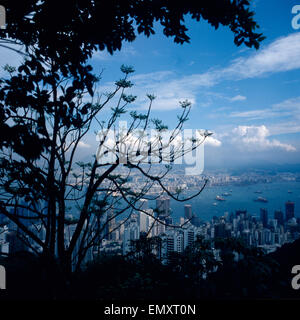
[[241, 197]]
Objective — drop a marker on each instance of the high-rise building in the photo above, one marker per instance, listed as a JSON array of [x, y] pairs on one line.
[[264, 217], [163, 207], [196, 221], [220, 230], [289, 210], [246, 236], [159, 228], [110, 225], [189, 236], [169, 221], [188, 211], [142, 204], [173, 241], [144, 220], [241, 213], [188, 214], [131, 232], [182, 221], [278, 215]]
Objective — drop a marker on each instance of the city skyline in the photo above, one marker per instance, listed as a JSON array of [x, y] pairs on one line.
[[268, 231]]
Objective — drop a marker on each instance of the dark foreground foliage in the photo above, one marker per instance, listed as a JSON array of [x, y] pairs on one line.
[[143, 278]]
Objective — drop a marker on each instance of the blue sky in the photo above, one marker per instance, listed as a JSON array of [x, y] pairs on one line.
[[250, 99]]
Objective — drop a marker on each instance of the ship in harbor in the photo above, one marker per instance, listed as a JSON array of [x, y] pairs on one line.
[[261, 199], [226, 194]]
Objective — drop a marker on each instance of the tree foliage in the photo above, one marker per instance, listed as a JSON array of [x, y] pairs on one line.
[[71, 31], [49, 103]]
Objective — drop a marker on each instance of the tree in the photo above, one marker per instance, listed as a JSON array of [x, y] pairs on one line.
[[244, 272], [45, 180], [196, 262], [44, 104], [84, 26]]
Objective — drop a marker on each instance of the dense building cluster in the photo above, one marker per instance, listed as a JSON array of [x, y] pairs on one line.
[[268, 232], [116, 236]]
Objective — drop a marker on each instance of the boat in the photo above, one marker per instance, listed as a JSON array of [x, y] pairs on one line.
[[215, 204], [220, 198], [258, 191], [289, 191], [261, 199], [226, 194]]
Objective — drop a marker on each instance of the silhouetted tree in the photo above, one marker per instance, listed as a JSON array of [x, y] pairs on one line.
[[72, 31], [48, 105], [46, 180]]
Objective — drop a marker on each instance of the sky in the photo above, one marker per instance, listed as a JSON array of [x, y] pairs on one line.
[[249, 99]]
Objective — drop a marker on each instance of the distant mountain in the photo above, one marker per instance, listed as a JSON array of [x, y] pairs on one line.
[[266, 167]]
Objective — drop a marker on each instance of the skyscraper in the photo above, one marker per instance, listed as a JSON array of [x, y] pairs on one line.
[[169, 221], [264, 217], [110, 225], [289, 210], [196, 221], [131, 232], [241, 213], [163, 207], [220, 230], [278, 215], [142, 204], [145, 220], [188, 211]]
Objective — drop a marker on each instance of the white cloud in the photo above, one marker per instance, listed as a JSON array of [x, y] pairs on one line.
[[152, 76], [285, 127], [211, 141], [82, 144], [168, 91], [292, 104], [126, 52], [254, 114], [238, 98], [257, 138], [281, 55], [168, 88], [102, 55], [289, 110]]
